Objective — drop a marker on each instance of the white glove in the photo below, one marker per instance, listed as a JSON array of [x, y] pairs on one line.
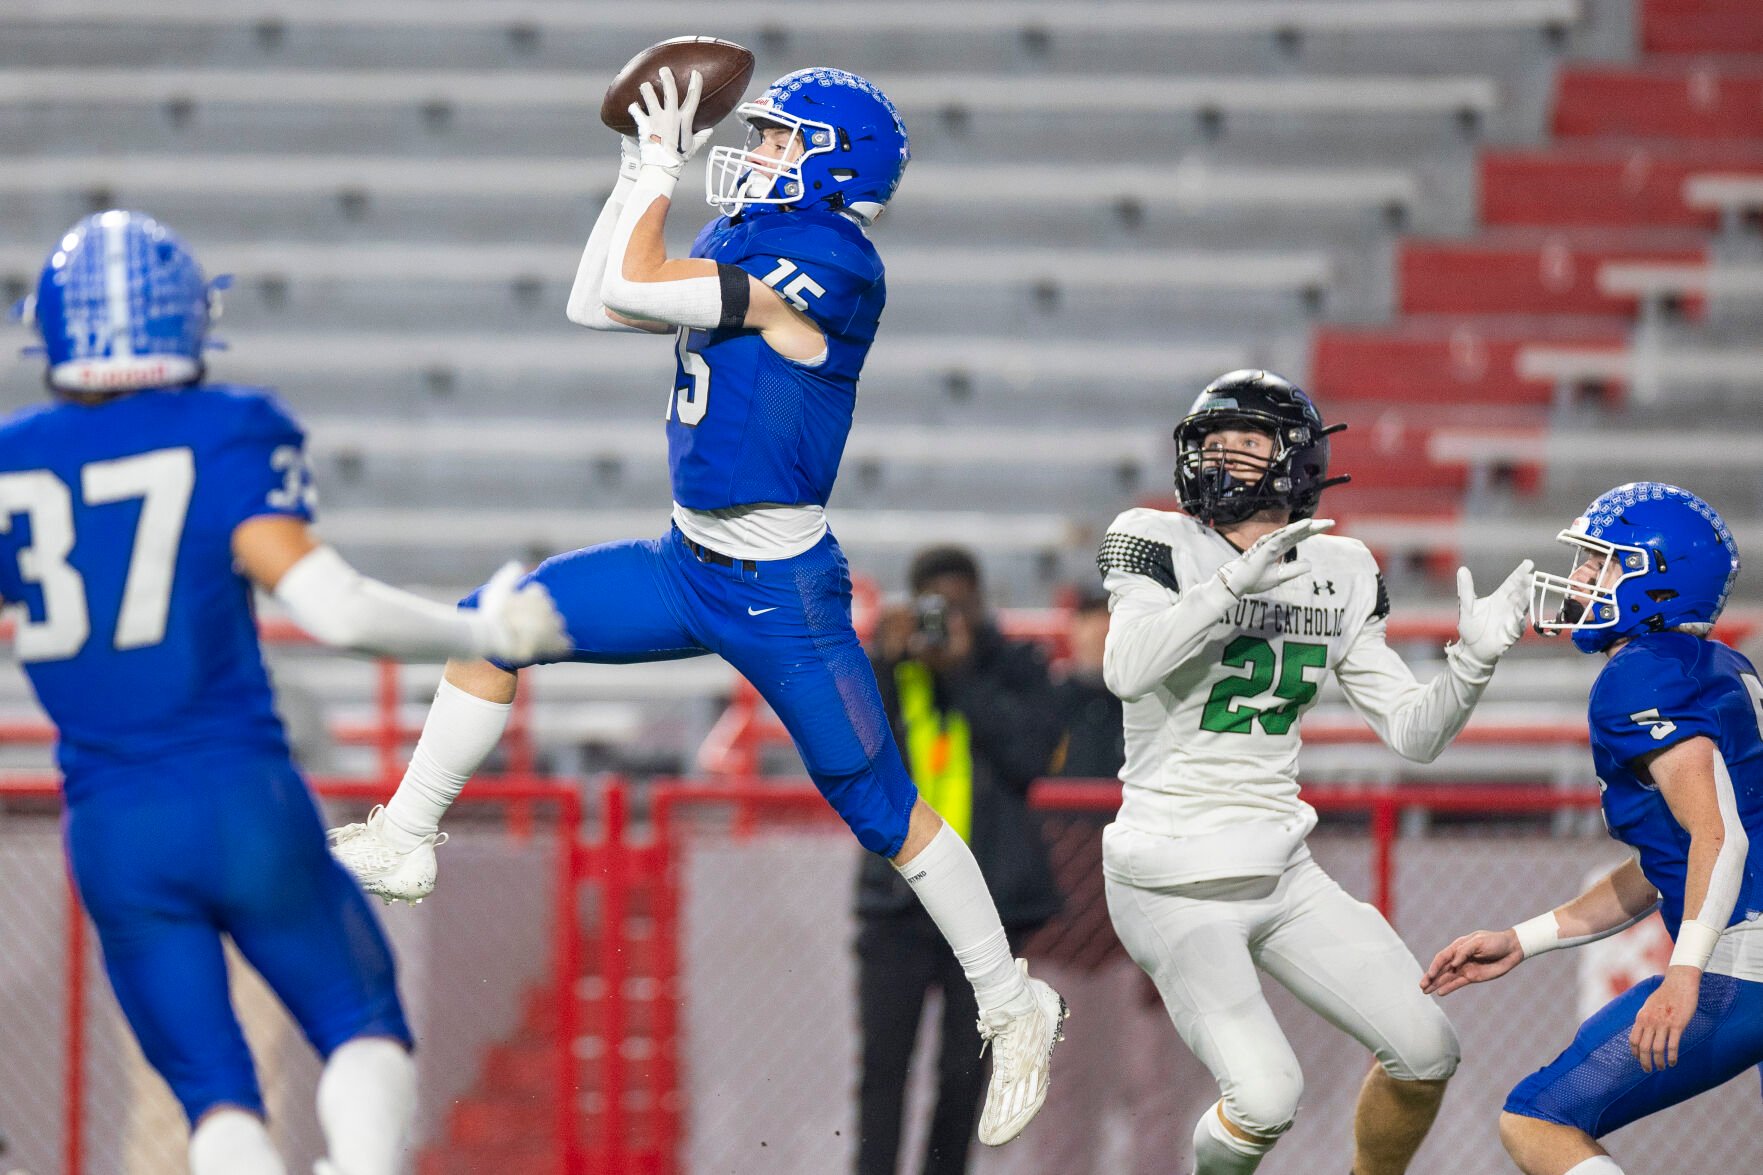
[[1261, 568], [518, 625], [630, 157], [1488, 626], [664, 124]]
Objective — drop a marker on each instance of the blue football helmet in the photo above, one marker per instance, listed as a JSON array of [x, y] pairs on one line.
[[122, 305], [854, 149], [1647, 557]]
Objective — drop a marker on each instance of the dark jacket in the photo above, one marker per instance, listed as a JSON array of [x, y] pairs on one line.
[[1012, 713], [1095, 739]]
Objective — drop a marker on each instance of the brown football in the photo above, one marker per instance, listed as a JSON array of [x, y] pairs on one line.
[[725, 66]]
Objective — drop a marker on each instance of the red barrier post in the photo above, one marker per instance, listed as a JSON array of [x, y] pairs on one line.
[[1383, 858], [613, 925], [566, 952], [387, 728]]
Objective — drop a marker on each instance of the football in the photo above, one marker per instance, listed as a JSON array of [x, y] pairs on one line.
[[726, 68]]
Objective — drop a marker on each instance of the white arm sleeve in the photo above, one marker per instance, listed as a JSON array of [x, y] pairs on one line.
[[694, 301], [1702, 929], [1153, 629], [339, 606], [1416, 721], [585, 307], [1729, 864]]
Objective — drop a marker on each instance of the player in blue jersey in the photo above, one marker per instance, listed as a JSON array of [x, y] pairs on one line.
[[772, 315], [1677, 741], [136, 512]]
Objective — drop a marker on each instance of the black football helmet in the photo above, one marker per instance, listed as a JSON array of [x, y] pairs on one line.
[[1294, 477]]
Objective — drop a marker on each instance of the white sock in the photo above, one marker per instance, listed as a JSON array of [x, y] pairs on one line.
[[367, 1105], [1596, 1165], [947, 881], [457, 736], [232, 1141], [1219, 1152]]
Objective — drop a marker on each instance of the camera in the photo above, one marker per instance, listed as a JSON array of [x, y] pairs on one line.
[[931, 612]]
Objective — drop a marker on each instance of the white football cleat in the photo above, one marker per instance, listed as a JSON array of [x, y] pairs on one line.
[[1022, 1052], [324, 1166], [382, 870]]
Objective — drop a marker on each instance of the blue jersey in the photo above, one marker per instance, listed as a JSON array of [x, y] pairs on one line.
[[116, 524], [746, 425], [1656, 691]]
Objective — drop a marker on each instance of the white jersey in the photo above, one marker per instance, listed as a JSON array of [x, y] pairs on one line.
[[1214, 688]]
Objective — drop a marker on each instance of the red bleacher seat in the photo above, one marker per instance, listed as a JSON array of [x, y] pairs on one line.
[[1605, 184], [1535, 274], [1444, 362], [1702, 26], [1671, 102]]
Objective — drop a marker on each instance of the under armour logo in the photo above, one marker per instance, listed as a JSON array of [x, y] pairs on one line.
[[1318, 586]]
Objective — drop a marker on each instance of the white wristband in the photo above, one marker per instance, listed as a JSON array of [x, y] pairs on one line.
[[1695, 944], [1538, 935]]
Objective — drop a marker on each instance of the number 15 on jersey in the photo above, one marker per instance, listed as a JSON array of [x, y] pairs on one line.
[[691, 394]]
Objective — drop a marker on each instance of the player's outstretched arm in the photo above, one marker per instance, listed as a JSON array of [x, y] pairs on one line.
[[1610, 905], [585, 307], [1419, 721], [644, 287], [1155, 626], [339, 606]]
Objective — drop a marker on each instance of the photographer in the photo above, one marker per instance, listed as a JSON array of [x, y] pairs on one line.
[[978, 719]]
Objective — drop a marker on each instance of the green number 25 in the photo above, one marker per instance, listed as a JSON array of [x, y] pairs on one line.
[[1224, 716]]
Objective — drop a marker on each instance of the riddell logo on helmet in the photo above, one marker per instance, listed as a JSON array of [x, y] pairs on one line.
[[110, 378], [113, 376]]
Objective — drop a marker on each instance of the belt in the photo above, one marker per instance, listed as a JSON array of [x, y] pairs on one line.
[[717, 558]]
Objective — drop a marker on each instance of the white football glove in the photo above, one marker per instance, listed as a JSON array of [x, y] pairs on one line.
[[664, 123], [1488, 626], [630, 157], [518, 625], [1262, 568]]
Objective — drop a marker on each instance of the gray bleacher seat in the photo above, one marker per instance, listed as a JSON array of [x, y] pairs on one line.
[[597, 35]]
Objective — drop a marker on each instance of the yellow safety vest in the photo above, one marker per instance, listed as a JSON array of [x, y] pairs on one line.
[[939, 748]]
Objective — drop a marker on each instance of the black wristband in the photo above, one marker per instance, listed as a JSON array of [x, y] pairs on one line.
[[737, 295]]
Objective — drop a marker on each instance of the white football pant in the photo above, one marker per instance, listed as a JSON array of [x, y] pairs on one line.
[[1201, 943]]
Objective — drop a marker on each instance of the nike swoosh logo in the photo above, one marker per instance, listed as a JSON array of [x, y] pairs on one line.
[[760, 611]]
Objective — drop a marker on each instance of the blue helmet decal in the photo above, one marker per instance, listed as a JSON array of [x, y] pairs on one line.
[[1649, 557], [121, 304], [853, 148]]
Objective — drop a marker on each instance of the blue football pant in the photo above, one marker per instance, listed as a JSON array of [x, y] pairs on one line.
[[784, 624], [1598, 1086], [235, 847]]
